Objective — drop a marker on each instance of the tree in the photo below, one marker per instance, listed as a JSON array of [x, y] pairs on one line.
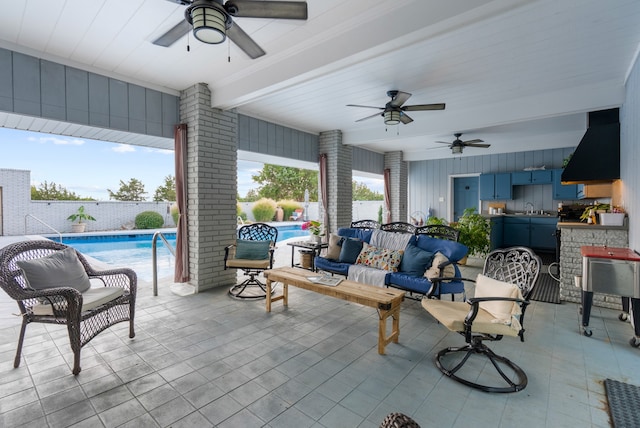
[[54, 192], [283, 182], [131, 191], [361, 192], [167, 191]]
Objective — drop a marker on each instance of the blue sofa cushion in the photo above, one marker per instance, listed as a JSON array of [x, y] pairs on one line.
[[331, 266], [415, 260], [454, 251], [361, 234], [350, 250]]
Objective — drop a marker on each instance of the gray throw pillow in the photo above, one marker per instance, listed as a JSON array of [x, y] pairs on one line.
[[60, 269]]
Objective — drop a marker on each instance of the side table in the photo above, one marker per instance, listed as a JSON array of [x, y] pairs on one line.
[[314, 247]]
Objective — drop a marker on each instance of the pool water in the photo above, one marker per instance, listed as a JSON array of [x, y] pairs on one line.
[[134, 250]]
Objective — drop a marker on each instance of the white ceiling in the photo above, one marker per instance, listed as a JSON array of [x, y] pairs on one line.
[[519, 74]]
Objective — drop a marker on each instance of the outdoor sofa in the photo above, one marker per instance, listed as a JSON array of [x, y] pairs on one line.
[[410, 272]]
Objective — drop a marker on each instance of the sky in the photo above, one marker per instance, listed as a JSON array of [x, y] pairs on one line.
[[90, 167]]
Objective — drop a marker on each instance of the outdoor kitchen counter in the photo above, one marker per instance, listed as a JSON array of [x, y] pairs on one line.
[[579, 225]]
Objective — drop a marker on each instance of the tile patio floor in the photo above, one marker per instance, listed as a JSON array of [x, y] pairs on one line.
[[208, 360]]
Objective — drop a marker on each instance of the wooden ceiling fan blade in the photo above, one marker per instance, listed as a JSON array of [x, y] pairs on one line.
[[442, 142], [358, 105], [484, 146], [422, 107], [473, 141], [404, 118], [369, 117], [267, 9], [244, 42], [173, 35], [398, 98]]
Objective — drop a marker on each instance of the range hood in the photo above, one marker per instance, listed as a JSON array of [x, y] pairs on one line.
[[597, 157]]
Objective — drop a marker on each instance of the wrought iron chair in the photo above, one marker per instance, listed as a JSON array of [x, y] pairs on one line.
[[497, 310], [253, 254], [440, 231], [84, 313], [398, 226], [365, 224]]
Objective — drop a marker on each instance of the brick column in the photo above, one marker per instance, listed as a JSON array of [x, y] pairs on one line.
[[398, 182], [211, 186], [339, 178]]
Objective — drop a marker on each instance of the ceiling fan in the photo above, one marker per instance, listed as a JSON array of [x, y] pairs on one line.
[[458, 145], [212, 21], [394, 111]]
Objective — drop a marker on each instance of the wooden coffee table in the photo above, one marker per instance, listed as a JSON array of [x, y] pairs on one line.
[[385, 300]]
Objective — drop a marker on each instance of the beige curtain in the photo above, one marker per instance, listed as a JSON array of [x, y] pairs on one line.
[[181, 273], [387, 195]]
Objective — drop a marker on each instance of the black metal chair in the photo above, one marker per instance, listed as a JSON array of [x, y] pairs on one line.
[[365, 224], [248, 255], [398, 226], [85, 313], [477, 320], [440, 231]]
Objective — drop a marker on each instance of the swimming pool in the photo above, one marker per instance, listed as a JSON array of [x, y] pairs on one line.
[[133, 250]]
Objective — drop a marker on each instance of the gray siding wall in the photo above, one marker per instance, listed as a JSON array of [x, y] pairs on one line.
[[630, 151], [367, 161], [259, 136], [40, 88], [429, 180]]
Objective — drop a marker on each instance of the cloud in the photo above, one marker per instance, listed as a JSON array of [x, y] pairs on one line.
[[160, 151], [59, 141], [123, 148]]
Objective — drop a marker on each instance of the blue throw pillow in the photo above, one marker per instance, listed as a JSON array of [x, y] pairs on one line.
[[454, 251], [252, 250], [415, 260], [350, 250]]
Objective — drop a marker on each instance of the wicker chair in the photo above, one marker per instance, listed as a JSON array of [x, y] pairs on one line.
[[365, 224], [477, 321], [440, 231], [64, 305], [252, 266], [398, 226]]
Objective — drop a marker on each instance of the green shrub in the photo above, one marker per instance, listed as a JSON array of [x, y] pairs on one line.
[[264, 209], [175, 214], [289, 206], [149, 220]]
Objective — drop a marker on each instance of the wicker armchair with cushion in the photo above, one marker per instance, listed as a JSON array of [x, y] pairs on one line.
[[253, 254], [54, 284], [496, 310]]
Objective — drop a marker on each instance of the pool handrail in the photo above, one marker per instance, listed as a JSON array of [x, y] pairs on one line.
[[154, 255], [41, 222]]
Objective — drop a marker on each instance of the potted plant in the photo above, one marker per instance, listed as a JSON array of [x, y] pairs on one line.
[[79, 215], [475, 230], [315, 229]]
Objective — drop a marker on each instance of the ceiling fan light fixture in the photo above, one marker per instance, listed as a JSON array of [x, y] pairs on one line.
[[209, 20], [392, 117], [456, 150]]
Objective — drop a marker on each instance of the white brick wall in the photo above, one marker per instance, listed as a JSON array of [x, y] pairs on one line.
[[339, 171], [211, 186], [571, 260], [18, 210], [398, 185]]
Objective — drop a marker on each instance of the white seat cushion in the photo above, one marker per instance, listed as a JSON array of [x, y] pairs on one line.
[[91, 299]]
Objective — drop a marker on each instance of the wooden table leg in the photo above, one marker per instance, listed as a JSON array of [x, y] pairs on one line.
[[284, 296], [383, 340], [268, 295]]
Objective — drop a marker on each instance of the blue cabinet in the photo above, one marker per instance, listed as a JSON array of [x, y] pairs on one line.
[[543, 176], [516, 231], [495, 186], [543, 233], [533, 232], [563, 191], [496, 236]]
